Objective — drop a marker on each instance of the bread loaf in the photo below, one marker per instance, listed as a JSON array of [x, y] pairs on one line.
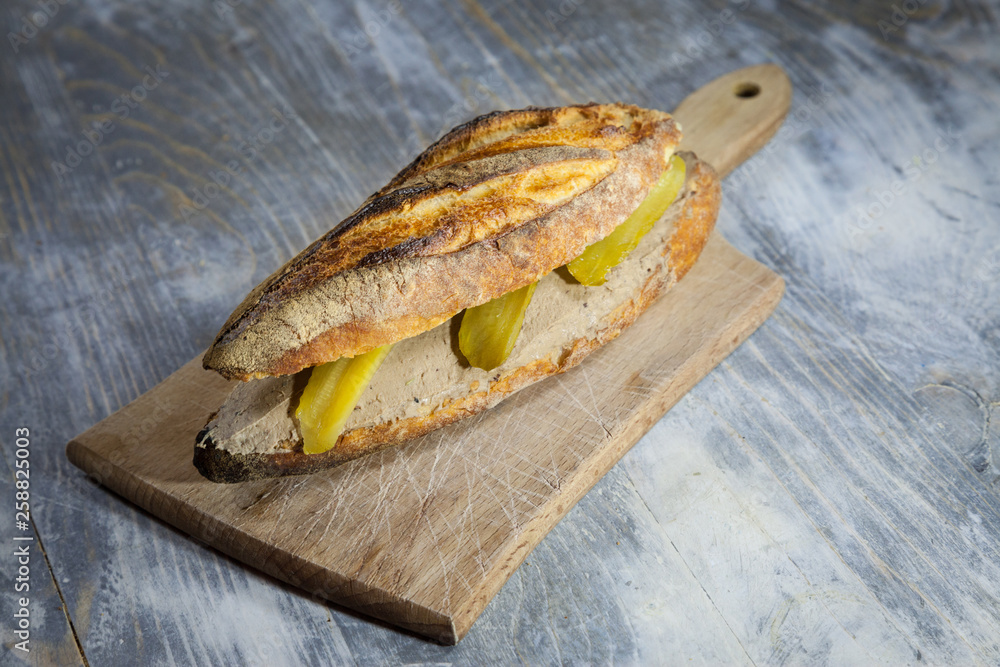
[[494, 205], [424, 385]]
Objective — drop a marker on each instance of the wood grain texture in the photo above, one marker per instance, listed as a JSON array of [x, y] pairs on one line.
[[364, 550], [741, 104], [50, 639], [757, 523], [423, 536]]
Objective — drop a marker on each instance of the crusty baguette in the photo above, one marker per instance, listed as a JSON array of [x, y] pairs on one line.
[[423, 385], [494, 205]]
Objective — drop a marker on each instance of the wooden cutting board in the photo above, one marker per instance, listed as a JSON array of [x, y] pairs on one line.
[[425, 535]]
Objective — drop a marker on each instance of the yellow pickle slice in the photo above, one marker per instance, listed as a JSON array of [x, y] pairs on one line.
[[489, 331], [592, 266], [330, 395]]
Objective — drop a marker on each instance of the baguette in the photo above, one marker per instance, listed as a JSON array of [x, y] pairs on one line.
[[493, 206], [423, 384]]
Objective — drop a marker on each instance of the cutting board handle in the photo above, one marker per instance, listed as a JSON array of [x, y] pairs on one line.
[[728, 120]]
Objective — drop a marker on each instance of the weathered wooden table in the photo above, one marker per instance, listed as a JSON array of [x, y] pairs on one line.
[[828, 494]]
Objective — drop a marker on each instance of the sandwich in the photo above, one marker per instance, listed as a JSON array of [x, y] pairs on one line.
[[505, 253]]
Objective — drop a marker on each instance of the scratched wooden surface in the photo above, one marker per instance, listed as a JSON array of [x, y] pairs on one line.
[[829, 494]]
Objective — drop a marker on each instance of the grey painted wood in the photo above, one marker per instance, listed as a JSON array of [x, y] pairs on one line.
[[829, 494], [30, 593]]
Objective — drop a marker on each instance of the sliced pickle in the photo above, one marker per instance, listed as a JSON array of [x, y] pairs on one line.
[[592, 266], [330, 396], [489, 331]]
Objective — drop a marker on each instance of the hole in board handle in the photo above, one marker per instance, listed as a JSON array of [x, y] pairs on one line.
[[746, 90]]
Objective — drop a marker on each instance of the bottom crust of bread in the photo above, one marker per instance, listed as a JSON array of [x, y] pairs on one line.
[[699, 205]]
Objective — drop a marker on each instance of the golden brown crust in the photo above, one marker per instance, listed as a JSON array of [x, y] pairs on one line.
[[491, 207], [691, 231], [498, 126]]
